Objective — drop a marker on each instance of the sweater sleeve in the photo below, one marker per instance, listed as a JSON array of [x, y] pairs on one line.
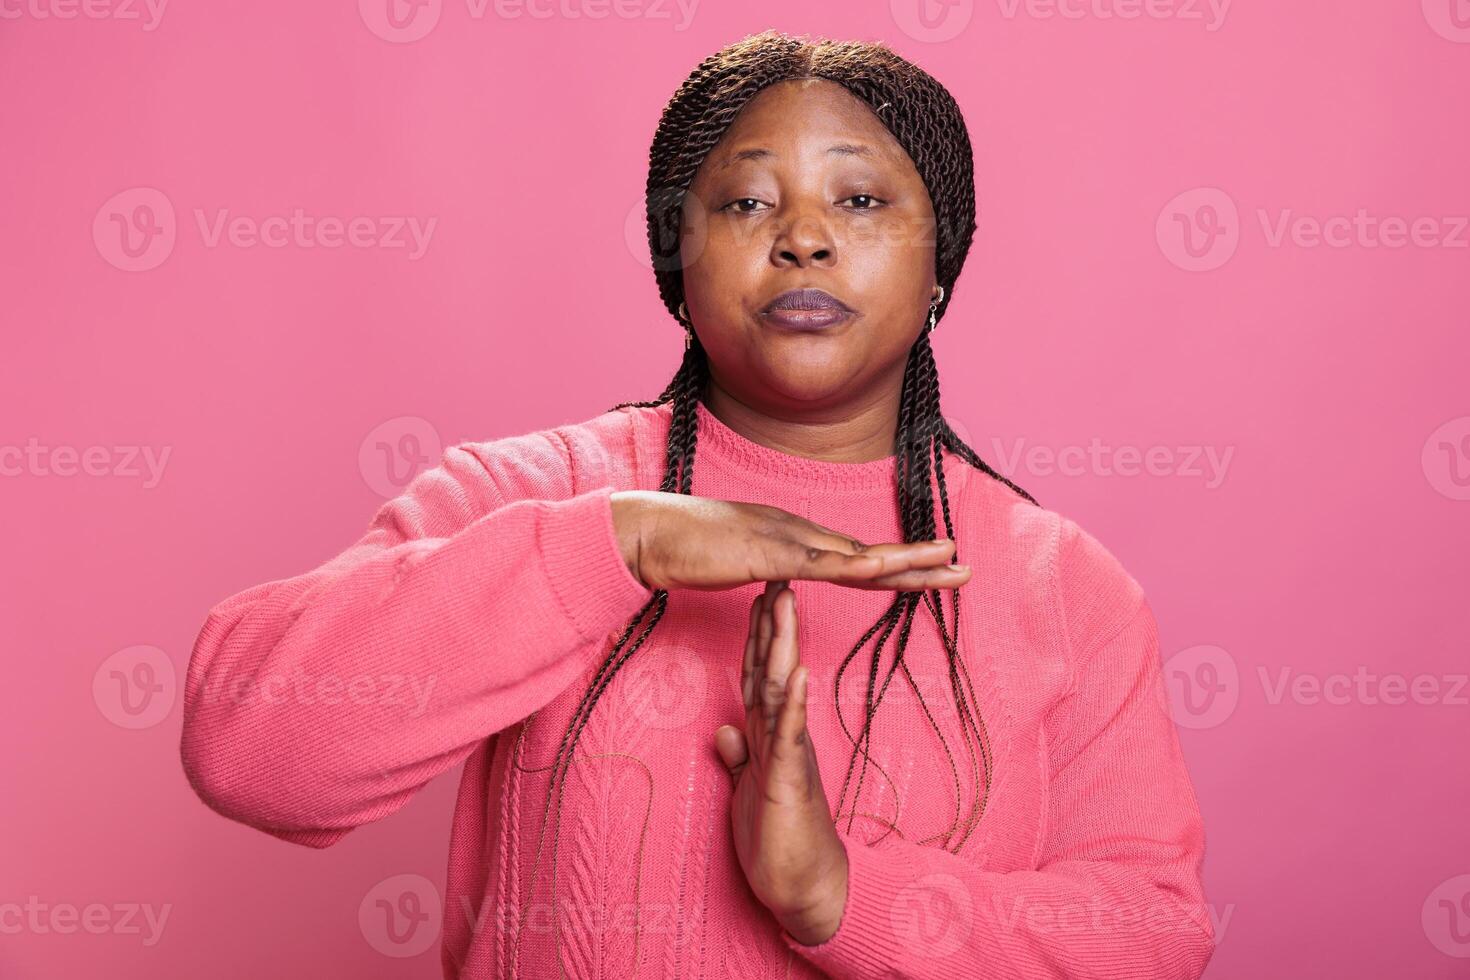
[[1117, 889], [318, 703]]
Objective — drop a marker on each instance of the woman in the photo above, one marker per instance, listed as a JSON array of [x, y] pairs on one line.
[[877, 786]]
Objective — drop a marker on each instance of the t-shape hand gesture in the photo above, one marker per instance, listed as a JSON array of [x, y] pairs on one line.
[[784, 835]]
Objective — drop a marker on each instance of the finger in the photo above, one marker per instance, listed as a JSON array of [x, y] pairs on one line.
[[747, 664], [790, 747], [873, 563], [782, 658], [730, 743], [754, 718], [949, 577]]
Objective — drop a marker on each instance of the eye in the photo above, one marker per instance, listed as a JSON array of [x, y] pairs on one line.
[[740, 200], [874, 201]]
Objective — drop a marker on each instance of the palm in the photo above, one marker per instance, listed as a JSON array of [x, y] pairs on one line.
[[780, 820]]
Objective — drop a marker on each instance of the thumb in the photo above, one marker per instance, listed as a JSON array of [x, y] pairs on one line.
[[730, 743]]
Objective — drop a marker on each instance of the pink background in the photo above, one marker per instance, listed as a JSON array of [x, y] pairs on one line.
[[1327, 542]]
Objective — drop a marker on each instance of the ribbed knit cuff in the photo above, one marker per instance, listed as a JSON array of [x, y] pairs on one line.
[[580, 555], [878, 928]]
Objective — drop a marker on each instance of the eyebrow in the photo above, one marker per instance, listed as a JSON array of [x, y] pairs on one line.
[[760, 153]]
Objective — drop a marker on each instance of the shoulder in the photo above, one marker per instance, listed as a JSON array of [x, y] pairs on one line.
[[559, 461], [1088, 592]]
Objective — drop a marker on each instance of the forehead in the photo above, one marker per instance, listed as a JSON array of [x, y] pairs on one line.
[[805, 117]]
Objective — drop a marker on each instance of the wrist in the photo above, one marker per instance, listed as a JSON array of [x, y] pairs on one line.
[[819, 919], [627, 512]]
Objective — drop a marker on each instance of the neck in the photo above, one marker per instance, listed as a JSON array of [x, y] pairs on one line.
[[856, 432]]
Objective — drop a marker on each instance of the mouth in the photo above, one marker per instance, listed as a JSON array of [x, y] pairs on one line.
[[807, 309]]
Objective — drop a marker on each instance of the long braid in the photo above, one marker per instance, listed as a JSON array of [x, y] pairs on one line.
[[927, 122]]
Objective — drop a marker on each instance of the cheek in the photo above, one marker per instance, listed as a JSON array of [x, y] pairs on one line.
[[891, 277], [724, 269]]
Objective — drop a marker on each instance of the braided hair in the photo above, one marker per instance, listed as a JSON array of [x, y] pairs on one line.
[[927, 122]]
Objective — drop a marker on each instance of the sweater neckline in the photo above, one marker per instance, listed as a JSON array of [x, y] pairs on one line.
[[717, 442]]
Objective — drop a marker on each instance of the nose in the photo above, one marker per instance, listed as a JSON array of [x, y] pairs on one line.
[[803, 238]]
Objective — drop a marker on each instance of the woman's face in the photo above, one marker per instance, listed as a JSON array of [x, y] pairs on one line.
[[808, 189]]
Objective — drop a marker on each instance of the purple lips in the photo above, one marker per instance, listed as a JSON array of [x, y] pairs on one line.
[[806, 309]]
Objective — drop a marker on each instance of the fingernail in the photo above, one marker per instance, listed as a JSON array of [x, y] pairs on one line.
[[960, 568]]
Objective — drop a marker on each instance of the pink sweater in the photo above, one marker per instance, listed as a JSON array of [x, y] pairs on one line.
[[495, 584]]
